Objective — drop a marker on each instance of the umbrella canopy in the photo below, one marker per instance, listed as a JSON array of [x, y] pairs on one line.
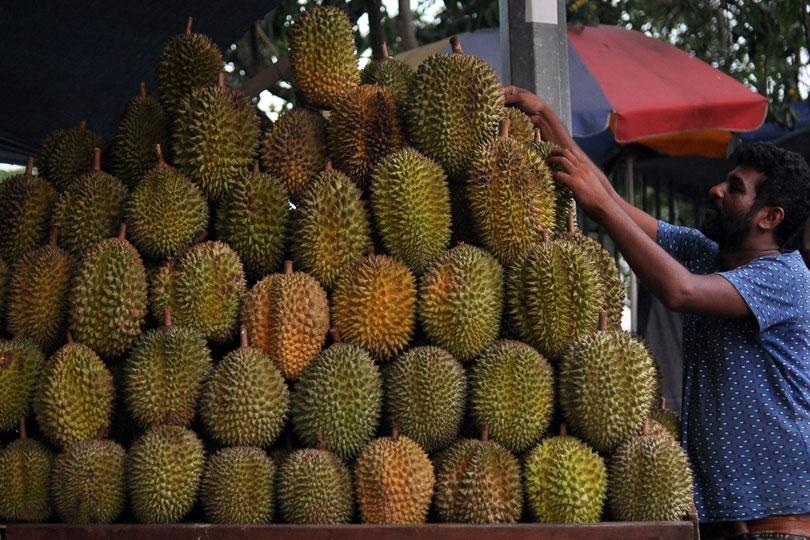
[[628, 87]]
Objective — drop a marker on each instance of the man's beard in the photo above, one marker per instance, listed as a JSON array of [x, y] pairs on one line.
[[728, 229]]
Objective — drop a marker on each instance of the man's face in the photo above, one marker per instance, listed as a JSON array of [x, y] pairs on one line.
[[731, 208]]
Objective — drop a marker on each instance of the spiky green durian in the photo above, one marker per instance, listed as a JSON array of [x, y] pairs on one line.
[[374, 305], [410, 201], [363, 128], [315, 487], [237, 486], [554, 296], [330, 227], [66, 154], [394, 481], [215, 137], [5, 277], [286, 315], [74, 396], [132, 149], [461, 300], [650, 480], [164, 467], [565, 209], [607, 387], [614, 291], [38, 295], [669, 419], [88, 482], [165, 212], [478, 481], [511, 197], [90, 209], [425, 393], [455, 103], [25, 467], [164, 374], [565, 481], [20, 362], [294, 150], [245, 400], [323, 56], [338, 399], [390, 72], [511, 389], [108, 297], [187, 61], [203, 288], [26, 205], [252, 219]]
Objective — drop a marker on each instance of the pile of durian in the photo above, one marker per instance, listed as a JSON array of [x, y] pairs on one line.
[[377, 309]]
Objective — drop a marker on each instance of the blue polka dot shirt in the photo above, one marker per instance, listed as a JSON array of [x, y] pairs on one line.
[[746, 387]]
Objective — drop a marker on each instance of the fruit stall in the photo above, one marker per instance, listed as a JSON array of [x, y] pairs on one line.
[[375, 317]]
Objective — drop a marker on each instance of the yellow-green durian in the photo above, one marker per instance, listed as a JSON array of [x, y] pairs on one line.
[[314, 487], [425, 396], [74, 396], [88, 482], [323, 55], [410, 201], [511, 392], [66, 154], [390, 72], [20, 362], [164, 466], [26, 467], [461, 300], [237, 486]]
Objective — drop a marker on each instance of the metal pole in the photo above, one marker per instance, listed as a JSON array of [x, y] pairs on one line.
[[534, 49], [630, 195]]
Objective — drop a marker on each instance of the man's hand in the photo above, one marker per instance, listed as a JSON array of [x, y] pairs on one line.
[[540, 113], [588, 183]]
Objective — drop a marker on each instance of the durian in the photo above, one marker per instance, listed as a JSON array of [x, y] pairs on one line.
[[237, 486], [314, 486]]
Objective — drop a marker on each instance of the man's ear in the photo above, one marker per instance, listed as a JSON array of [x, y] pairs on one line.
[[769, 217]]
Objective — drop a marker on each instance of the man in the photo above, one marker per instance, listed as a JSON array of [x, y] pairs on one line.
[[746, 300]]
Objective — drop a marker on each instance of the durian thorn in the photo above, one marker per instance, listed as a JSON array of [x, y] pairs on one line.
[[503, 128], [455, 44], [29, 166], [603, 320], [167, 316], [69, 337], [394, 433], [23, 429], [563, 429], [335, 333], [96, 159], [189, 22], [122, 231], [54, 236], [570, 223], [319, 440], [288, 267], [243, 336], [142, 89], [485, 433]]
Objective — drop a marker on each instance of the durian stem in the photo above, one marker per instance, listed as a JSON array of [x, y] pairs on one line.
[[503, 128], [188, 24], [122, 231], [455, 44], [538, 136], [23, 429], [384, 51], [603, 320], [54, 237], [29, 166], [335, 333], [243, 336], [256, 166], [159, 154], [221, 79], [485, 433], [663, 403], [394, 433], [319, 440], [167, 317], [69, 337], [370, 250], [142, 89], [329, 166], [570, 224], [96, 159], [563, 429], [544, 235], [288, 267]]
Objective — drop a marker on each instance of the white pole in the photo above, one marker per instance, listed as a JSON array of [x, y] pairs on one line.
[[630, 195]]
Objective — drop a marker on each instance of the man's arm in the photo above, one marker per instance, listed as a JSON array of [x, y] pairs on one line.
[[552, 129]]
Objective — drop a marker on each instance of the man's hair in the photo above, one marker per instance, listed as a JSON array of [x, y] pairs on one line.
[[785, 183]]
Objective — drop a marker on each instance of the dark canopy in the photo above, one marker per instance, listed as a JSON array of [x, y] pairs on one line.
[[67, 61]]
